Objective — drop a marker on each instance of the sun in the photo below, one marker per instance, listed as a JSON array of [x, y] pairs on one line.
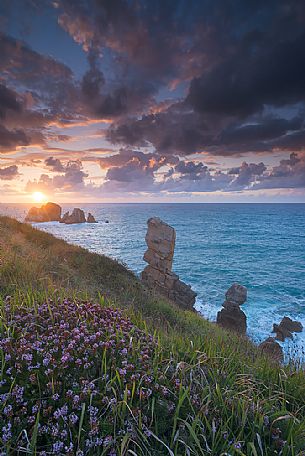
[[38, 197]]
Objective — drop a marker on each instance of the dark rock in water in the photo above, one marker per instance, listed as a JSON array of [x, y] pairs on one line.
[[272, 348], [77, 216], [281, 333], [236, 294], [90, 218], [160, 239], [233, 319], [46, 213], [291, 325], [106, 221], [286, 328], [64, 217], [231, 316]]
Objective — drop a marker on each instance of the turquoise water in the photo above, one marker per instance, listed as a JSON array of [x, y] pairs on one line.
[[261, 246]]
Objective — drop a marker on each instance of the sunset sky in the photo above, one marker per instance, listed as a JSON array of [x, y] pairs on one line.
[[160, 100]]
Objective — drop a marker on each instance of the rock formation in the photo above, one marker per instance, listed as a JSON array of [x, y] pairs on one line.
[[286, 328], [160, 239], [77, 216], [52, 212], [46, 213], [90, 218], [272, 348], [231, 316]]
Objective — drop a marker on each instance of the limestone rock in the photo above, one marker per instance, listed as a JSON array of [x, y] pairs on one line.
[[286, 328], [160, 239], [231, 316], [90, 218], [281, 333], [237, 294], [77, 216], [46, 213], [272, 348], [291, 325], [233, 319], [65, 217]]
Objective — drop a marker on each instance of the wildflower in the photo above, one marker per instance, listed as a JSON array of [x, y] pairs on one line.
[[57, 447], [8, 410], [7, 432], [73, 418]]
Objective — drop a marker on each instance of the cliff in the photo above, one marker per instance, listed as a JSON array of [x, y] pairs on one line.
[[111, 368]]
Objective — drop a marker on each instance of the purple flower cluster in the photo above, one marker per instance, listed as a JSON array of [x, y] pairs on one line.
[[66, 368]]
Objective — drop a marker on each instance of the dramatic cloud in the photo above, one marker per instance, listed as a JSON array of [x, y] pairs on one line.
[[159, 89], [54, 164], [289, 173], [9, 173], [71, 180]]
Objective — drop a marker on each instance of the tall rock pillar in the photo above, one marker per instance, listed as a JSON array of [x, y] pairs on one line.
[[160, 239]]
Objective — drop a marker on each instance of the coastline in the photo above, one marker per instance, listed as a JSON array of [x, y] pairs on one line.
[[207, 372], [214, 269]]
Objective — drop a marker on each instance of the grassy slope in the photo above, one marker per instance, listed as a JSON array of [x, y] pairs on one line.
[[34, 262]]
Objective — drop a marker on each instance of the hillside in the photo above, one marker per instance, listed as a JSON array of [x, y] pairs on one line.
[[93, 363]]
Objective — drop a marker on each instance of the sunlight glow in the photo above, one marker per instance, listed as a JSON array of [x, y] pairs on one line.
[[38, 197]]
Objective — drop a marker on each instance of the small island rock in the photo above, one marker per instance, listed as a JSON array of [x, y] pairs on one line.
[[77, 216], [272, 348], [231, 316], [90, 218], [48, 212], [286, 327], [237, 294]]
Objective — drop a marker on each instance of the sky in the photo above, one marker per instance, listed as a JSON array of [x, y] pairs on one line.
[[152, 100]]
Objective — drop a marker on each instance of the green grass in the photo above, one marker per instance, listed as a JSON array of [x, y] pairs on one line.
[[227, 399]]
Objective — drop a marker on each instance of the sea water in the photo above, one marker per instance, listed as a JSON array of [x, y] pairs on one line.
[[261, 246]]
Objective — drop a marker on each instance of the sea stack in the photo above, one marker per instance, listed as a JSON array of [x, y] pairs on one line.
[[158, 275], [231, 316], [77, 216], [91, 218], [286, 328], [49, 212]]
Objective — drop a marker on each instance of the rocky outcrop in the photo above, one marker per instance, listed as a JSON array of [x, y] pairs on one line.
[[46, 213], [272, 349], [90, 218], [231, 316], [51, 212], [77, 216], [286, 328], [160, 240]]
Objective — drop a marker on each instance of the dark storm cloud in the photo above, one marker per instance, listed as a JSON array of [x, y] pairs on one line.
[[54, 164], [153, 161], [191, 170], [246, 174], [175, 131], [180, 77], [245, 82], [8, 101], [10, 139], [263, 131], [9, 173], [19, 125], [262, 63]]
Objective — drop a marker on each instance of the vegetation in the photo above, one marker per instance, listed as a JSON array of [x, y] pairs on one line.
[[94, 364]]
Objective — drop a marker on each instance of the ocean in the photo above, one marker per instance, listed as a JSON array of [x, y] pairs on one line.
[[261, 246]]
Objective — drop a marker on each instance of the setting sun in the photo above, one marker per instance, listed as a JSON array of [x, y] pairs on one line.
[[38, 197]]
